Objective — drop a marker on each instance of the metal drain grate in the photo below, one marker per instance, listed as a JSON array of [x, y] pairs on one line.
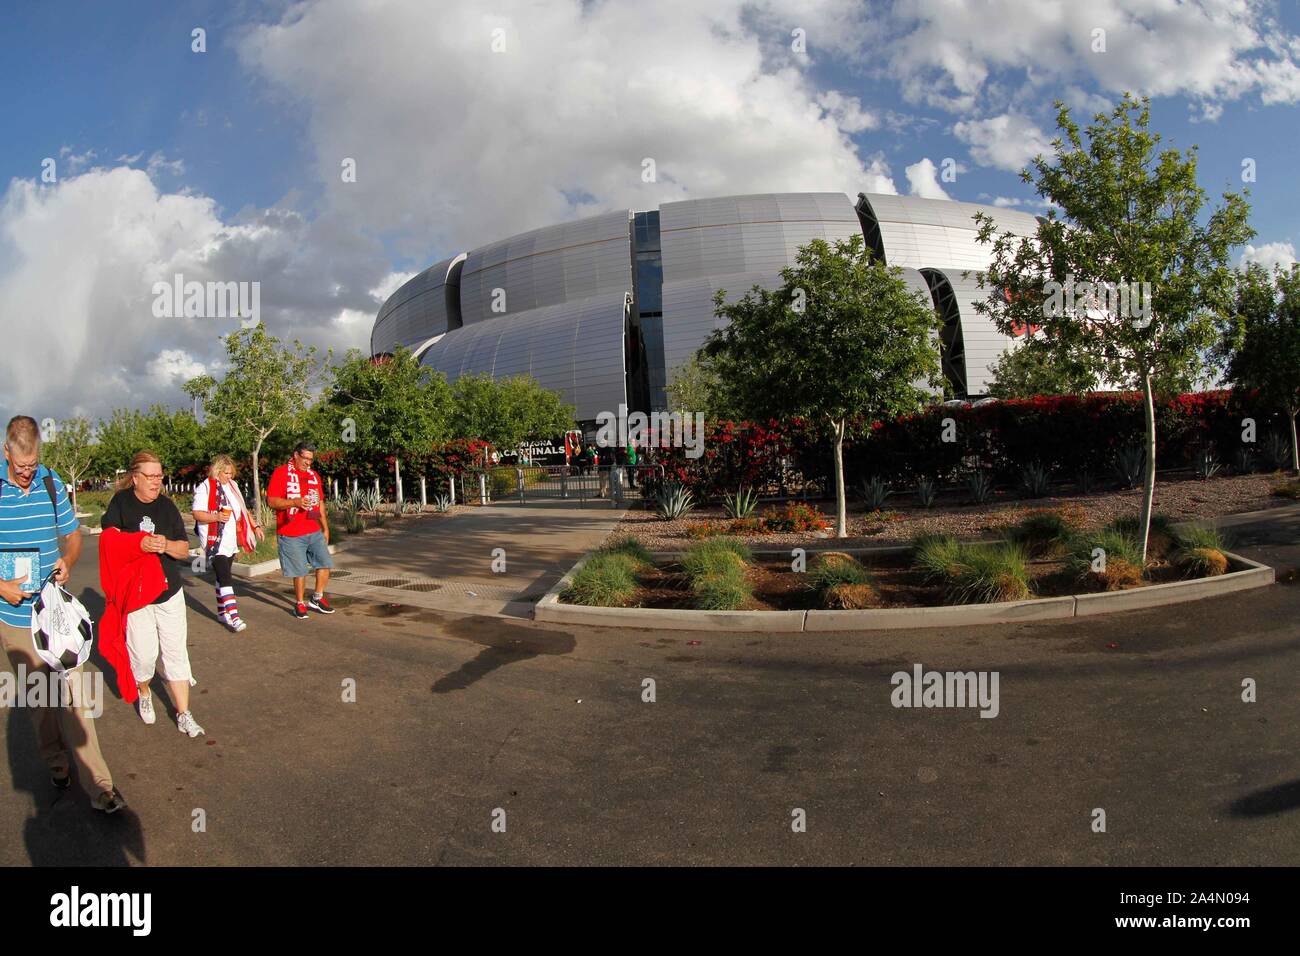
[[388, 583], [422, 586], [339, 574]]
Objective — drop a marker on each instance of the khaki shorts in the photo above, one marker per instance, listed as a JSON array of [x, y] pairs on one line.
[[159, 631]]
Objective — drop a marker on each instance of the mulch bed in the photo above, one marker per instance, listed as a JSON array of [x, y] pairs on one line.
[[897, 584], [902, 519]]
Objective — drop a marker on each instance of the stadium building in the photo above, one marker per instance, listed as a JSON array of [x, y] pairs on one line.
[[603, 310]]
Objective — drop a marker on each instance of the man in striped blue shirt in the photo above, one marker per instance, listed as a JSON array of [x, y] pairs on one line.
[[29, 519]]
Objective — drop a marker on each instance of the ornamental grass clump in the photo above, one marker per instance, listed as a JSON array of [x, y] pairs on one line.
[[1162, 537], [629, 546], [722, 592], [989, 573], [841, 581], [1199, 552], [1106, 560], [606, 580], [715, 555], [1290, 489], [717, 572], [937, 555], [1045, 532]]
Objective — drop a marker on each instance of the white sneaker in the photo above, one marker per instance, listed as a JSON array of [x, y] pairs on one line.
[[146, 708], [186, 724]]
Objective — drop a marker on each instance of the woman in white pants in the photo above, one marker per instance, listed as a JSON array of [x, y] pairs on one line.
[[156, 633], [224, 526]]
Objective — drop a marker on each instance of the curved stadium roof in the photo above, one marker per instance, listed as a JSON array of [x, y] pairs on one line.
[[593, 308]]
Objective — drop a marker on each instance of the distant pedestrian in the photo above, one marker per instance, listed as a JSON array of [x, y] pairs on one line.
[[302, 528], [157, 633], [29, 519], [225, 526]]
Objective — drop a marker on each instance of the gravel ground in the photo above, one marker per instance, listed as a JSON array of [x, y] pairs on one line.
[[902, 519]]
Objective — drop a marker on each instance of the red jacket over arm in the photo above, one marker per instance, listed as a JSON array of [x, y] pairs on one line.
[[130, 579]]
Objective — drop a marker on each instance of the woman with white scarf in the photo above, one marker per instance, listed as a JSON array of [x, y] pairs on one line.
[[224, 526]]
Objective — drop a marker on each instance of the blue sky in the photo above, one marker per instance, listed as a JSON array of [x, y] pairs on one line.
[[225, 164]]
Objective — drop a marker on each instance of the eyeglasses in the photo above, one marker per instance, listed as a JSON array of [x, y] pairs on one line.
[[25, 469], [157, 477]]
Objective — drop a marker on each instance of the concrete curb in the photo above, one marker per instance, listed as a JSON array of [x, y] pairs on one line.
[[953, 615], [1254, 575]]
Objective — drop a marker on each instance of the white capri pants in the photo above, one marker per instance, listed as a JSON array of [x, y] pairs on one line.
[[159, 630]]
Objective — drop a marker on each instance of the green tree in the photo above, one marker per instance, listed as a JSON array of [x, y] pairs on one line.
[[1031, 368], [267, 387], [387, 406], [507, 411], [71, 452], [176, 437], [695, 387], [1261, 343], [1131, 219], [843, 338]]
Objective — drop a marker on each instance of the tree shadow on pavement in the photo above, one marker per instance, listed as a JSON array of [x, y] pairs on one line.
[[503, 643], [1263, 803]]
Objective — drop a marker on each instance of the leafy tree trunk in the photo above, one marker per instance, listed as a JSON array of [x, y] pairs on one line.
[[257, 481], [841, 517], [1149, 480], [1295, 450]]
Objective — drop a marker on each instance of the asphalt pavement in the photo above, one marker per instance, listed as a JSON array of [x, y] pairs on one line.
[[476, 739]]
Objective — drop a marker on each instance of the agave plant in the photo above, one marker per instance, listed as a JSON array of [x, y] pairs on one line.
[[874, 493], [1085, 481], [1275, 450], [412, 508], [1205, 464], [1130, 465], [741, 504], [442, 503], [673, 502], [926, 491], [1035, 481], [981, 487], [1243, 462]]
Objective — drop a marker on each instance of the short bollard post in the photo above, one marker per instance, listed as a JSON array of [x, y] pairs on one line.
[[424, 494]]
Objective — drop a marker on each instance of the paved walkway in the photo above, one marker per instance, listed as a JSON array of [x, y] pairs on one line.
[[446, 562], [458, 715]]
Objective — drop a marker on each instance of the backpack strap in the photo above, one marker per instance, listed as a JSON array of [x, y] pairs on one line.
[[48, 480]]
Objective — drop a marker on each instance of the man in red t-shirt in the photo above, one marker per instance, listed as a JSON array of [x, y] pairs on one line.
[[294, 492]]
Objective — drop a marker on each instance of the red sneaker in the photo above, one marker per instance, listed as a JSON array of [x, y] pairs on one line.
[[300, 611], [321, 605]]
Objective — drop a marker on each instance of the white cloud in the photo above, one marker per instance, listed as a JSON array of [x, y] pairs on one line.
[[1008, 141], [456, 145], [172, 368], [78, 260], [950, 55], [847, 112], [1270, 254], [390, 284], [923, 181]]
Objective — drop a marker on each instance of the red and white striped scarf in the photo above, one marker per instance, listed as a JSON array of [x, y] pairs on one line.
[[218, 495]]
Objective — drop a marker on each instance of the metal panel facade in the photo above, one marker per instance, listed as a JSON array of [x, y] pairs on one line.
[[733, 243], [574, 348], [416, 312], [574, 260], [984, 344]]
